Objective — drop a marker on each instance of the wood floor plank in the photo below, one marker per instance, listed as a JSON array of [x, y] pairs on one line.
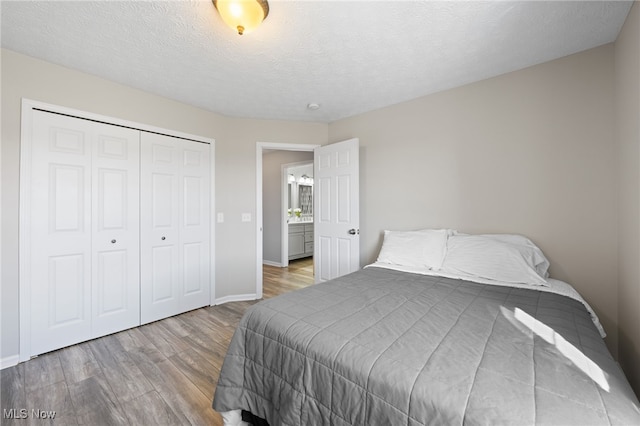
[[139, 341], [126, 340], [229, 313], [177, 391], [198, 323], [174, 339], [215, 319], [95, 403], [126, 380], [105, 350], [166, 342], [159, 373], [198, 369], [78, 363], [175, 326], [183, 396], [42, 371], [149, 368], [12, 392], [207, 346], [55, 399], [149, 409]]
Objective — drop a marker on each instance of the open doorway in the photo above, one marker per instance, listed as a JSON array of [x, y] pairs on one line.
[[264, 218], [297, 236], [276, 280]]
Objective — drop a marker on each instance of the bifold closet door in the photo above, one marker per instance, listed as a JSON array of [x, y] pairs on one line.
[[115, 230], [174, 237], [84, 230]]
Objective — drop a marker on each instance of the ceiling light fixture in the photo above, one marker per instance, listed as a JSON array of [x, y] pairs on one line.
[[243, 16], [313, 106]]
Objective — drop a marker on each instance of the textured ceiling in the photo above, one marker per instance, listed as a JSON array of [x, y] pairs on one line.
[[348, 56]]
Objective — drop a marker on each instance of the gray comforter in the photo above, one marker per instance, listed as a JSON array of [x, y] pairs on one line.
[[381, 347]]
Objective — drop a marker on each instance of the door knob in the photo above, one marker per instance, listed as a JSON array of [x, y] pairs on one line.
[[354, 231], [163, 238], [113, 241]]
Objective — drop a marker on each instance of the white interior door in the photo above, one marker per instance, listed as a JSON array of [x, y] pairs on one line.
[[115, 229], [195, 225], [336, 210], [60, 232], [174, 233], [84, 195]]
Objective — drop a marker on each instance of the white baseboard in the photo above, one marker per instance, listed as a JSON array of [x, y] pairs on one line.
[[271, 263], [236, 298], [9, 361]]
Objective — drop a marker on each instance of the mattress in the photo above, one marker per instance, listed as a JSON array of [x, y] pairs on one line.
[[387, 347]]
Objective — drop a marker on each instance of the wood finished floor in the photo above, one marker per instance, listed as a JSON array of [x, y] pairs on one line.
[[163, 373]]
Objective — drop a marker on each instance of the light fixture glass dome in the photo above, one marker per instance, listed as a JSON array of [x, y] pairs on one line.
[[243, 16]]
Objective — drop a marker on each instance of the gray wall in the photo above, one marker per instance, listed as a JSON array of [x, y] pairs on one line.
[[627, 68], [271, 199], [528, 152]]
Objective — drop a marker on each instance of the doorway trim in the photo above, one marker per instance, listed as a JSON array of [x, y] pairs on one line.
[[260, 147]]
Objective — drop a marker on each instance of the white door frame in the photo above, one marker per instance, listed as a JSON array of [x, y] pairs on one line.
[[260, 147], [28, 106]]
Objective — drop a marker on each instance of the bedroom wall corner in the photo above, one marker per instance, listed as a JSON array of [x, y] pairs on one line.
[[529, 152], [627, 90]]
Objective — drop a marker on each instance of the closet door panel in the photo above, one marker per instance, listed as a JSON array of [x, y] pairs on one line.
[[116, 229], [163, 290], [175, 226], [60, 233], [112, 282], [194, 281], [161, 283], [67, 292], [195, 229]]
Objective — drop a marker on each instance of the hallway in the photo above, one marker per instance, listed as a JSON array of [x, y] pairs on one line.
[[276, 280]]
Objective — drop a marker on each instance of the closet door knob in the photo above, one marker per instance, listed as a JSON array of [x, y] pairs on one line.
[[163, 238], [113, 241]]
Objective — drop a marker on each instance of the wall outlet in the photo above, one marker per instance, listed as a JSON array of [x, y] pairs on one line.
[[220, 217], [246, 217]]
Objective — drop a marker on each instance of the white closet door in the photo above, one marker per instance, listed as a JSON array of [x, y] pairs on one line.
[[194, 225], [60, 232], [116, 230], [78, 282], [174, 226]]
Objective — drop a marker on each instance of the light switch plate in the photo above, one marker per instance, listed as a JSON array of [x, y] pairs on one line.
[[246, 217]]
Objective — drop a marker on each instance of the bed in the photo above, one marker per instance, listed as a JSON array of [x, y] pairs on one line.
[[444, 328]]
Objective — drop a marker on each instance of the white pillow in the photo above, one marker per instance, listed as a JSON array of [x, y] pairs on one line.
[[500, 258], [423, 249], [542, 265]]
